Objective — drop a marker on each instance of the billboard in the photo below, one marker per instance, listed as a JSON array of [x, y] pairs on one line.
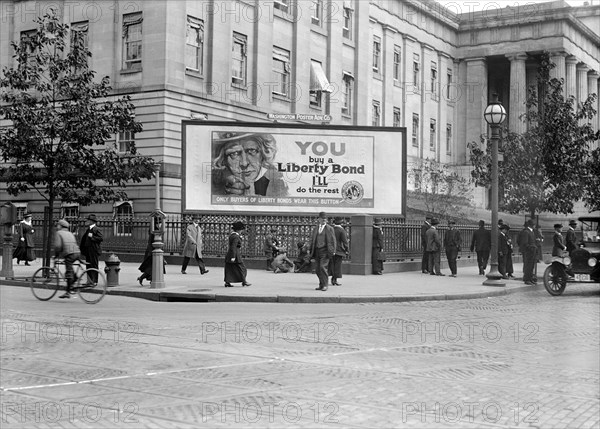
[[293, 168]]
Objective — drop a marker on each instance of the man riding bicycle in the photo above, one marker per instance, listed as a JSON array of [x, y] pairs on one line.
[[65, 246]]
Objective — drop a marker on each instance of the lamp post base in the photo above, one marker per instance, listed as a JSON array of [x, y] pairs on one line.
[[494, 278]]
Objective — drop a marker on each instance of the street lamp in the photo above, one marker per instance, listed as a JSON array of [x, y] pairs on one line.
[[494, 115]]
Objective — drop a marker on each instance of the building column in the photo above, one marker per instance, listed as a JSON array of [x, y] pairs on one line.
[[518, 92], [571, 77], [532, 82], [558, 58], [476, 91], [582, 82], [592, 79]]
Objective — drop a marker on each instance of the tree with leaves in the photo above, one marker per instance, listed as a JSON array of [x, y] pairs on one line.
[[59, 121], [443, 191], [553, 164]]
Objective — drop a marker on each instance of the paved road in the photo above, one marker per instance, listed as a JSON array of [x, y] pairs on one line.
[[519, 360]]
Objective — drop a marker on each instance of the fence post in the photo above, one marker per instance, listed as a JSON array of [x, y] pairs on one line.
[[361, 244]]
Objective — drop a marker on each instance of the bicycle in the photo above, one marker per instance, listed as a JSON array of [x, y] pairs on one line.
[[46, 281]]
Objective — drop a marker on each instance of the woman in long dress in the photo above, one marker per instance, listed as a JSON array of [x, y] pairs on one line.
[[235, 270], [146, 266], [24, 250]]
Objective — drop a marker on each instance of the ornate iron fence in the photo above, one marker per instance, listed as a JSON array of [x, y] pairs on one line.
[[402, 240]]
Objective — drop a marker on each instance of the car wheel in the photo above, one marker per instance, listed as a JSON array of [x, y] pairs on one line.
[[555, 280]]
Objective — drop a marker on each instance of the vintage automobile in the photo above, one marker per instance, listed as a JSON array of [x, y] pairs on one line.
[[582, 266]]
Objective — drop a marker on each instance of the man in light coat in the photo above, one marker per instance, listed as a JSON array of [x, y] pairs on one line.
[[192, 248]]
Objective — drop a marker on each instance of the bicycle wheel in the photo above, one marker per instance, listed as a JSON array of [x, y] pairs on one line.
[[44, 283], [91, 286]]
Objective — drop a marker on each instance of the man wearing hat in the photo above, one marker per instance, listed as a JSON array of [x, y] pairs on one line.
[[90, 246], [558, 243], [528, 248], [322, 249], [24, 250], [271, 247], [571, 237], [341, 250], [452, 244], [425, 260], [244, 164], [377, 255], [504, 250], [434, 248], [65, 247], [192, 248], [481, 242]]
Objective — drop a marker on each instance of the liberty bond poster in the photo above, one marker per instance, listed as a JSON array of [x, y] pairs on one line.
[[293, 168]]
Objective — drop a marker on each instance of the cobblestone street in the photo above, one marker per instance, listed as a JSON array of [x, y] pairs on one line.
[[520, 360]]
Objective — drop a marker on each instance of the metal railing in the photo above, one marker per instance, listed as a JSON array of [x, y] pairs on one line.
[[402, 240]]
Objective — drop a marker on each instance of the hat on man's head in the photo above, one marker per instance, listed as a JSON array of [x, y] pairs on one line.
[[428, 217], [505, 226], [557, 225], [377, 221], [500, 222], [322, 215], [63, 223], [435, 221], [92, 217], [573, 222], [451, 222], [26, 215], [229, 137], [238, 225], [529, 222], [338, 220], [481, 222]]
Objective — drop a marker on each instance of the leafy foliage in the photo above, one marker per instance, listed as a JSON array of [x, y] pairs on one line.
[[551, 166], [442, 191], [60, 121]]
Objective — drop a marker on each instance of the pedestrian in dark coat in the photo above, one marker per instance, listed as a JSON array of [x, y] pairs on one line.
[[539, 239], [482, 244], [452, 245], [434, 248], [271, 247], [24, 250], [146, 265], [192, 248], [509, 262], [341, 250], [302, 262], [90, 246], [425, 259], [377, 255], [528, 248], [503, 251], [571, 241], [558, 242], [322, 249], [235, 269]]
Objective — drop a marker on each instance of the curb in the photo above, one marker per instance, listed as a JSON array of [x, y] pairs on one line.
[[171, 296]]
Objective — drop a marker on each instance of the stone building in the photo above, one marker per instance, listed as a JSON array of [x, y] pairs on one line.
[[405, 63]]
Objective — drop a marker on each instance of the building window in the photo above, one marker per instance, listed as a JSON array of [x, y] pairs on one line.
[[239, 59], [194, 44], [376, 121], [434, 78], [449, 139], [432, 134], [80, 29], [317, 13], [123, 215], [347, 28], [125, 141], [21, 209], [397, 63], [70, 212], [348, 93], [397, 117], [448, 88], [281, 71], [416, 70], [282, 5], [415, 130], [25, 36], [318, 84], [132, 41], [376, 54]]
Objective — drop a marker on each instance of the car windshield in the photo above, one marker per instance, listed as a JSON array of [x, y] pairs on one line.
[[590, 230]]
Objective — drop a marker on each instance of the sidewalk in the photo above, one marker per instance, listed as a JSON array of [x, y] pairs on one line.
[[300, 287]]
